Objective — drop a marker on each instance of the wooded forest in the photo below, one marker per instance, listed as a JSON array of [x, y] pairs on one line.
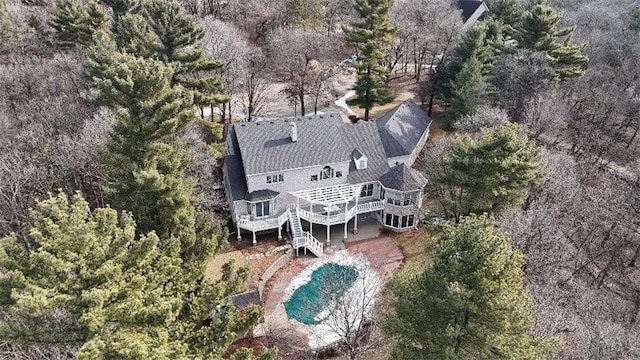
[[112, 120]]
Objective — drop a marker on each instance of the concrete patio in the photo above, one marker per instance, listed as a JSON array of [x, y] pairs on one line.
[[368, 228]]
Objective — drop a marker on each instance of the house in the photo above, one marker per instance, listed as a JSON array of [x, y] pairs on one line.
[[322, 170], [472, 11]]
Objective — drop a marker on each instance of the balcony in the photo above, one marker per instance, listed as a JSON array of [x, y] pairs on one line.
[[333, 215], [263, 224]]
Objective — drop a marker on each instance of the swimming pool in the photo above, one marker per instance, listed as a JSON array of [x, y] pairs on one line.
[[328, 282]]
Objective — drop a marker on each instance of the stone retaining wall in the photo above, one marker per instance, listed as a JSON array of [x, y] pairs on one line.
[[277, 265]]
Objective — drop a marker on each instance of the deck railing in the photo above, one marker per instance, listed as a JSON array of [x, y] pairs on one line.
[[309, 242], [370, 206], [263, 224]]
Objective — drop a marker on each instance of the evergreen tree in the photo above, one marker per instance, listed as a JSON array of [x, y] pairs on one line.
[[508, 12], [119, 8], [75, 24], [483, 42], [468, 91], [308, 13], [134, 36], [470, 304], [177, 43], [145, 162], [493, 170], [89, 280], [84, 274], [370, 36], [539, 31]]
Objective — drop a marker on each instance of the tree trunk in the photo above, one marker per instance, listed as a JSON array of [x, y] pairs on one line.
[[301, 95]]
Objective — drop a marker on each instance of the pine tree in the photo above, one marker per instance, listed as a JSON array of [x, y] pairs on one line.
[[469, 90], [308, 13], [470, 304], [178, 44], [84, 274], [145, 162], [539, 31], [133, 36], [508, 12], [75, 24], [119, 8], [89, 280], [370, 36], [483, 42], [494, 170]]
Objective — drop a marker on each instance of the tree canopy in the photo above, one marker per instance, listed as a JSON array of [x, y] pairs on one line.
[[76, 24], [470, 304], [87, 278], [539, 31], [495, 169]]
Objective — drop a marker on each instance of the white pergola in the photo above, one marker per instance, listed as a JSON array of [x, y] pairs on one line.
[[330, 196]]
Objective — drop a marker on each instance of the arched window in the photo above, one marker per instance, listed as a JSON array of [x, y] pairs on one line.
[[326, 173]]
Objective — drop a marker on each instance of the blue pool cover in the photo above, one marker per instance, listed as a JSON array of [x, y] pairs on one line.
[[328, 281]]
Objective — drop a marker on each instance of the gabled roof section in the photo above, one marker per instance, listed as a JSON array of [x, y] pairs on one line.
[[402, 178], [402, 128], [357, 154], [468, 8], [235, 170], [364, 137], [266, 146]]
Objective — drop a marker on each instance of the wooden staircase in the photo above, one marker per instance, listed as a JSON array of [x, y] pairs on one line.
[[302, 238]]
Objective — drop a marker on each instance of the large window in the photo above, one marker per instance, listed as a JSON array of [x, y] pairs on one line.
[[410, 199], [275, 178], [367, 190], [263, 209], [394, 198], [399, 222]]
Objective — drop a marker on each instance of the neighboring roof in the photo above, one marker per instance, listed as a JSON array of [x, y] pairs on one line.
[[364, 136], [235, 171], [402, 128], [244, 300], [402, 178], [261, 195], [266, 146], [468, 8]]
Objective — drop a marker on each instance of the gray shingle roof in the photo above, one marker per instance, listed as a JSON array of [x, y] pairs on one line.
[[244, 300], [402, 128], [235, 171], [468, 7], [266, 146], [364, 136], [402, 178], [261, 195]]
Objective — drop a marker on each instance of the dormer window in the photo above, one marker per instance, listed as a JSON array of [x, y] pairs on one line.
[[359, 159]]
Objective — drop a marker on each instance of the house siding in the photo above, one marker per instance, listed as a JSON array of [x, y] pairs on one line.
[[298, 179]]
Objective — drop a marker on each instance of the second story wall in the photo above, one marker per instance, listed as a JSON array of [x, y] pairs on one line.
[[299, 179]]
